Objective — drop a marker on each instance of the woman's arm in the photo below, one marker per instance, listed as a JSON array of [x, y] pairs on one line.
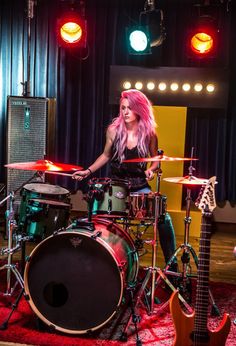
[[153, 147], [101, 160]]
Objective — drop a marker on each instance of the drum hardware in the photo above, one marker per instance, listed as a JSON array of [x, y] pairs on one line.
[[135, 318], [153, 270], [9, 251], [11, 268], [190, 182], [82, 223], [4, 325]]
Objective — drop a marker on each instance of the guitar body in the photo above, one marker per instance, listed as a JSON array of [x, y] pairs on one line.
[[184, 326]]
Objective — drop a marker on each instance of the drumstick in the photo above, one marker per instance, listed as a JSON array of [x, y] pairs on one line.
[[66, 174]]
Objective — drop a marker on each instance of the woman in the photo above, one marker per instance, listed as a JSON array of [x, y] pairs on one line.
[[132, 135]]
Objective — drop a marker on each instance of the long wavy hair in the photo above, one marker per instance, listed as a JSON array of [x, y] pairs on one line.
[[142, 107]]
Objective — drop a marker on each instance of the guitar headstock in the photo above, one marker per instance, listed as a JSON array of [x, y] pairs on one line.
[[206, 201]]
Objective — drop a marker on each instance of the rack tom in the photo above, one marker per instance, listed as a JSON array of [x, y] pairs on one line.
[[108, 196]]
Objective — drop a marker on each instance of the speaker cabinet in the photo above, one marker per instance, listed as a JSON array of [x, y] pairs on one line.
[[29, 121]]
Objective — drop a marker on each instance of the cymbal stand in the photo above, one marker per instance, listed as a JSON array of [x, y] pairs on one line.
[[10, 250], [11, 224], [153, 270], [187, 249]]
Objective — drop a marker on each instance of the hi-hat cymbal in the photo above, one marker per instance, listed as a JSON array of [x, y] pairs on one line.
[[187, 180], [43, 165], [159, 158]]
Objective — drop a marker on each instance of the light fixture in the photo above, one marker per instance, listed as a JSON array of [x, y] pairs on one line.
[[204, 32], [186, 87], [162, 86], [174, 86], [150, 86], [138, 85], [149, 33], [72, 26], [198, 87], [126, 85], [210, 88], [138, 40]]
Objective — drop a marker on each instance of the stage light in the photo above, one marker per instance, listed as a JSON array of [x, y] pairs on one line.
[[162, 86], [198, 87], [203, 37], [138, 40], [186, 87], [150, 86], [138, 85], [174, 86], [149, 32], [126, 85], [210, 88], [72, 30]]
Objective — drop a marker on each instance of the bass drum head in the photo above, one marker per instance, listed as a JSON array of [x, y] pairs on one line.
[[73, 282]]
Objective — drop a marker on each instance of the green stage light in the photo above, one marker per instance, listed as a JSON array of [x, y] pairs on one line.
[[138, 40]]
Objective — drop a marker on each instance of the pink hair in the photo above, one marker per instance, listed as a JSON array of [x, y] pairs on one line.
[[142, 107]]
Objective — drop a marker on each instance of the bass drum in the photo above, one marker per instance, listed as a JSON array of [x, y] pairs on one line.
[[75, 280]]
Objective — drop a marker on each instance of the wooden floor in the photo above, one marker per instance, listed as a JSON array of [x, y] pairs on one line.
[[223, 261]]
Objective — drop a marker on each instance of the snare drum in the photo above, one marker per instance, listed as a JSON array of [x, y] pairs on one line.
[[142, 205], [109, 196], [44, 208]]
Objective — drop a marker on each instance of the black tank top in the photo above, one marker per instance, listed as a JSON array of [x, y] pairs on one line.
[[133, 172]]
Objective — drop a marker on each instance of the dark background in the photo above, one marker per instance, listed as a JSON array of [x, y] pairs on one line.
[[79, 79]]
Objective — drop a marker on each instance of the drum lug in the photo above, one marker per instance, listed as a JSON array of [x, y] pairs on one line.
[[109, 206], [122, 265], [97, 234]]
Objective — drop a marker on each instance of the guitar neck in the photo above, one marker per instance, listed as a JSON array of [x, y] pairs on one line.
[[202, 294]]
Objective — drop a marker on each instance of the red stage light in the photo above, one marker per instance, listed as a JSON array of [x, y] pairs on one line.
[[202, 43], [203, 37], [72, 31]]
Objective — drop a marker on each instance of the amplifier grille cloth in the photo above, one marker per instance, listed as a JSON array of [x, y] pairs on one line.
[[26, 138]]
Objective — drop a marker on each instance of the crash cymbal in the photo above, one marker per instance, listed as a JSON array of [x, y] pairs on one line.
[[159, 158], [187, 180], [43, 165]]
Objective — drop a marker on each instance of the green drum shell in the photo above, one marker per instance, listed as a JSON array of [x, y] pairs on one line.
[[75, 280], [43, 201], [114, 200]]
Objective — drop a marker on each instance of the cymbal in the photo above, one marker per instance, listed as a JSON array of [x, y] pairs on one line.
[[187, 180], [43, 165], [159, 158]]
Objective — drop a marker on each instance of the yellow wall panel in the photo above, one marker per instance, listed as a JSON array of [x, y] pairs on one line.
[[171, 138]]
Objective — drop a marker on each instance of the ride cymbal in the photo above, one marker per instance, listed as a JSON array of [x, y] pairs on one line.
[[159, 158], [187, 180], [43, 165]]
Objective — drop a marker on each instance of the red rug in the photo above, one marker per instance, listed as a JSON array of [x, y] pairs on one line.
[[156, 329]]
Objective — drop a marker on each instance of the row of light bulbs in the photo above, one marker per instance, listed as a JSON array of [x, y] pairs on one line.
[[162, 86]]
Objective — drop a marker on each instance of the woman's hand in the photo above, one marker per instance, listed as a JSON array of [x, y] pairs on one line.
[[149, 174], [80, 175]]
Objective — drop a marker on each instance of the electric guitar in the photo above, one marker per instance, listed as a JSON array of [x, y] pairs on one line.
[[191, 330]]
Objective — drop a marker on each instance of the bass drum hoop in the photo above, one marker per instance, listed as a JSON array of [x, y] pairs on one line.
[[31, 298]]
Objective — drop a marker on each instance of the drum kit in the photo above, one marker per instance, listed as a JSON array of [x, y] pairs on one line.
[[76, 277]]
